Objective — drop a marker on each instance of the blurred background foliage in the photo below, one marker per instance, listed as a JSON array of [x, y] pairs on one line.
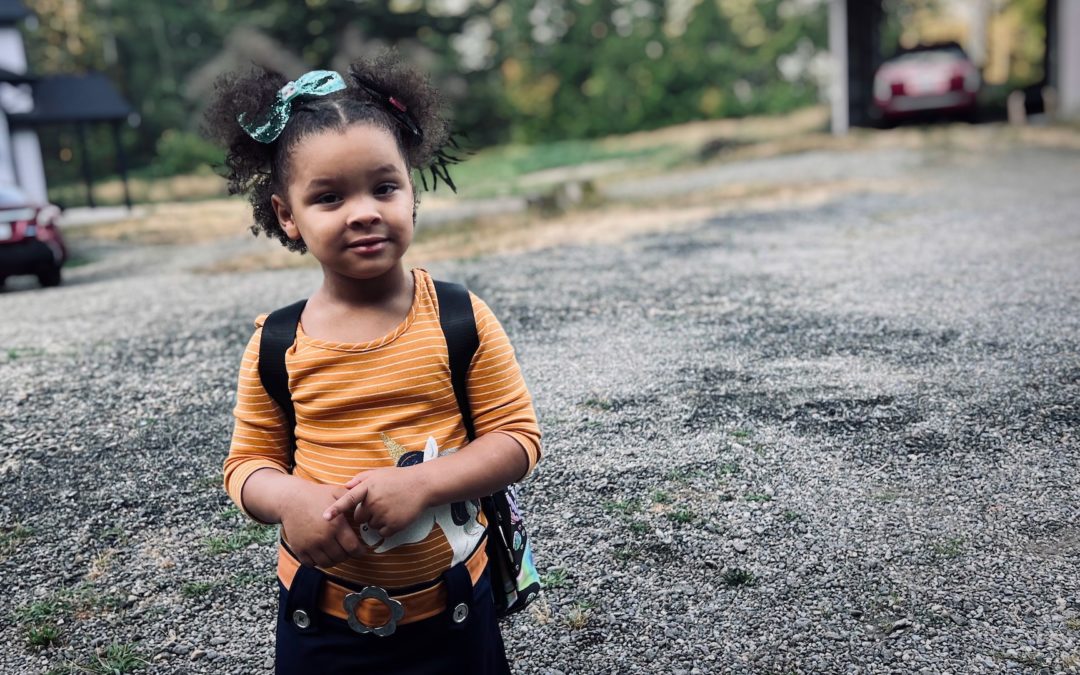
[[514, 71]]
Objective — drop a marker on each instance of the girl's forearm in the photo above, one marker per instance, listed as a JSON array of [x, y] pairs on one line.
[[265, 492], [486, 465]]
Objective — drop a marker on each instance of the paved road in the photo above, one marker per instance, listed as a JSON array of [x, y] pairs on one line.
[[834, 439]]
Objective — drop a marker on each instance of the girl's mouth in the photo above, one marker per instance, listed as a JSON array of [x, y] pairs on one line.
[[368, 245]]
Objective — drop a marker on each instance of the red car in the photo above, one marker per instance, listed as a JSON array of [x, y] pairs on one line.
[[932, 79], [30, 241]]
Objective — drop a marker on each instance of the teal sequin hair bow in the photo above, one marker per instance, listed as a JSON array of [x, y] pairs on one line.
[[272, 122]]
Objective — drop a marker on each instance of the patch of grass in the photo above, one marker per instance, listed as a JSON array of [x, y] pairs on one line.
[[728, 468], [15, 353], [638, 527], [735, 577], [554, 578], [684, 475], [11, 536], [949, 548], [661, 497], [228, 513], [598, 403], [791, 516], [42, 635], [758, 497], [197, 589], [209, 482], [116, 659], [577, 618], [78, 260], [250, 578], [252, 533], [741, 434], [726, 497], [681, 516], [622, 507], [43, 611], [625, 553]]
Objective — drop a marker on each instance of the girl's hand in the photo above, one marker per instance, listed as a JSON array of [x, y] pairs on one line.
[[313, 539], [387, 499]]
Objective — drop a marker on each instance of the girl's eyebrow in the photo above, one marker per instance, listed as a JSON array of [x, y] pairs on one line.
[[325, 181]]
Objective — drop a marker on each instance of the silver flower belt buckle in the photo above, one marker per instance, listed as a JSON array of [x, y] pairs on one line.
[[397, 611]]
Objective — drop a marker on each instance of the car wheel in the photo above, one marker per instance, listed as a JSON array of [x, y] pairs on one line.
[[49, 277]]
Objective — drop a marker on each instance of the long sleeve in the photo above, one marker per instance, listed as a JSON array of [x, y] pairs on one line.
[[259, 438], [498, 397]]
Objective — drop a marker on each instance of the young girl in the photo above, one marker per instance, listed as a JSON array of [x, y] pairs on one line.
[[376, 574]]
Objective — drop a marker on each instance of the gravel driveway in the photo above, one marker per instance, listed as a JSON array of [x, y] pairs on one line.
[[839, 439]]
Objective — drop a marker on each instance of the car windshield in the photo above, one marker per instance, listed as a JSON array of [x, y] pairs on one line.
[[931, 55], [11, 196]]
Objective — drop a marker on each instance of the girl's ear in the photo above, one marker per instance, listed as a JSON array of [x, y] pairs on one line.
[[285, 217]]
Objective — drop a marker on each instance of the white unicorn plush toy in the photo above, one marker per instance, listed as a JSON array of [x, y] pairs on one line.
[[463, 538]]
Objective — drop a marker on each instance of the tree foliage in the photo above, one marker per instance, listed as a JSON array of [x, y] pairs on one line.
[[528, 70]]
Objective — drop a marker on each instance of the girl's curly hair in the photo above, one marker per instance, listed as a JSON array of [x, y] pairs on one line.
[[260, 170]]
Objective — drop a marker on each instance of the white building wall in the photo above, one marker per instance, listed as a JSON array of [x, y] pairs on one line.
[[20, 153], [838, 50], [1068, 58]]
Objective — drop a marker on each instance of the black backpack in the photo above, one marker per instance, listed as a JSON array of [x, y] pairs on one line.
[[509, 554]]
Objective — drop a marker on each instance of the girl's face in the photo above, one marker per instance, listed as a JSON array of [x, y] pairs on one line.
[[349, 197]]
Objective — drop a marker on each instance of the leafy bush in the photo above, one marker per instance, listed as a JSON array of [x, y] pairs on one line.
[[181, 152]]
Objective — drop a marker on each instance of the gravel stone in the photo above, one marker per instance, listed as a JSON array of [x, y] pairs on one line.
[[869, 376]]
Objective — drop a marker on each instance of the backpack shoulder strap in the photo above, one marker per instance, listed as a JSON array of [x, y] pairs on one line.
[[459, 327], [278, 334]]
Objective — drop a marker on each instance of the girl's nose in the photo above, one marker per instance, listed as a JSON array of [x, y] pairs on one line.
[[364, 212]]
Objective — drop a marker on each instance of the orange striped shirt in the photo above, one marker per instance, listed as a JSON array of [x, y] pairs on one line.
[[359, 406]]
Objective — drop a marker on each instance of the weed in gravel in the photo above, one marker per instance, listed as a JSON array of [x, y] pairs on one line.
[[42, 635], [598, 403], [638, 527], [738, 577], [15, 353], [728, 468], [228, 513], [1072, 624], [43, 611], [949, 548], [755, 497], [541, 611], [725, 497], [251, 578], [684, 475], [116, 659], [622, 507], [11, 536], [741, 434], [197, 589], [116, 533], [251, 533], [578, 616], [208, 482], [625, 553], [661, 497], [791, 516], [681, 516], [554, 578]]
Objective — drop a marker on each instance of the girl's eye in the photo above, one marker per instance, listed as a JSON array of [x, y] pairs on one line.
[[386, 188], [328, 198]]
